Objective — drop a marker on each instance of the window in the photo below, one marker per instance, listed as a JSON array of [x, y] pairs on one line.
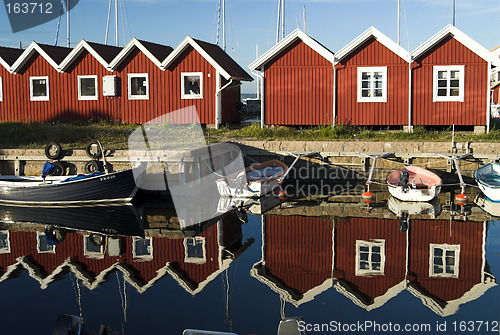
[[87, 88], [4, 242], [444, 260], [192, 85], [138, 86], [1, 90], [448, 83], [39, 88], [194, 250], [372, 84], [44, 245], [91, 249], [370, 257], [142, 248]]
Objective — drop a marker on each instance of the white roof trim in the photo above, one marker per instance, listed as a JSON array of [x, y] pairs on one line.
[[284, 43], [5, 65], [369, 33], [134, 43], [182, 46], [460, 37], [26, 55], [77, 50]]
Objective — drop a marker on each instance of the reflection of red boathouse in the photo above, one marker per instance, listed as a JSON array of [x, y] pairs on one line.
[[192, 261], [370, 261]]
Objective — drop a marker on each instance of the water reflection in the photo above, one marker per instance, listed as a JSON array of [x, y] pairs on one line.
[[439, 257], [322, 256]]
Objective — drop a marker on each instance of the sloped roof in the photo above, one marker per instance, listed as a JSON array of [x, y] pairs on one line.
[[53, 55], [151, 50], [103, 53], [217, 57], [8, 56], [160, 51], [372, 32], [222, 58], [288, 40], [107, 52], [454, 32]]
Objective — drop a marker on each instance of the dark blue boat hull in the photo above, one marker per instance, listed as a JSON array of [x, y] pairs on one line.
[[113, 187]]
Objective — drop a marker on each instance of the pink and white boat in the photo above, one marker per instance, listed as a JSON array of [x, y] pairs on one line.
[[413, 183]]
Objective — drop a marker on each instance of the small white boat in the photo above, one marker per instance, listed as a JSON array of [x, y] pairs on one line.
[[490, 207], [255, 181], [407, 208], [413, 183], [488, 180]]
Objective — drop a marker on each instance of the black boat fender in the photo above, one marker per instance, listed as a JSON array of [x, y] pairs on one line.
[[53, 151]]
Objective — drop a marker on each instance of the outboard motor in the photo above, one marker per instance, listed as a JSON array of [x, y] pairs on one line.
[[404, 178]]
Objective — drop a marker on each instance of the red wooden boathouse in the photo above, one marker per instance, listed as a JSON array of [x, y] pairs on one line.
[[451, 81], [372, 81], [134, 84], [297, 85]]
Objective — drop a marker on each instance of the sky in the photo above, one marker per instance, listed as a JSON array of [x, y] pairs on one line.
[[251, 24]]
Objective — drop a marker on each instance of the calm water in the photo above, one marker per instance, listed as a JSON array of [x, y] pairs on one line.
[[325, 260]]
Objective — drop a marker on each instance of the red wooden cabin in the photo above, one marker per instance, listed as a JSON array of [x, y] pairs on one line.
[[451, 81], [298, 255], [447, 265], [134, 84], [370, 260], [297, 85], [372, 81]]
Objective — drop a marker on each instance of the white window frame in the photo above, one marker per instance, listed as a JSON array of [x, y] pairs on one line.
[[372, 69], [39, 236], [195, 260], [45, 98], [191, 96], [461, 85], [92, 254], [148, 257], [129, 84], [1, 89], [6, 249], [444, 247], [370, 244], [87, 97]]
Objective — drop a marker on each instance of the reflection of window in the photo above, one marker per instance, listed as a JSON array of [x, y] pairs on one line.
[[444, 259], [142, 248], [372, 84], [91, 249], [192, 85], [43, 245], [448, 83], [194, 250], [370, 257], [4, 242], [138, 86], [39, 88], [87, 87]]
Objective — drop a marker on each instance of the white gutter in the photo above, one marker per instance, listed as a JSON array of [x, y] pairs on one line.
[[261, 77], [218, 109], [334, 94], [409, 95], [488, 100]]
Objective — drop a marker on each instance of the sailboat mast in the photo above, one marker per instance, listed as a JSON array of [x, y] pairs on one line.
[[107, 23], [282, 19], [67, 24], [304, 19], [453, 12], [116, 22], [224, 25], [279, 19], [399, 23]]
